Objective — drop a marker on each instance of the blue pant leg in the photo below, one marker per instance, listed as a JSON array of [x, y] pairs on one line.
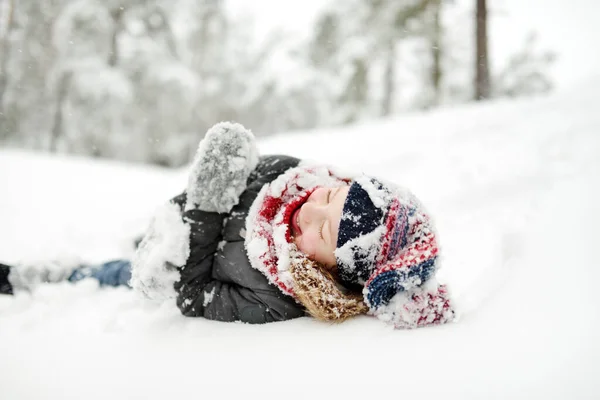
[[112, 273]]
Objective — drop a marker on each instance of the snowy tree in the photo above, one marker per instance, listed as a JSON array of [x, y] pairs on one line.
[[209, 43], [82, 81], [143, 80], [380, 57], [96, 102], [337, 56], [163, 89], [241, 78], [27, 102], [443, 55], [394, 21], [526, 72], [162, 116], [357, 47], [432, 53]]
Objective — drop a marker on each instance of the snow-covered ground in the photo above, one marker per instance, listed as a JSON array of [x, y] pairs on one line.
[[514, 188]]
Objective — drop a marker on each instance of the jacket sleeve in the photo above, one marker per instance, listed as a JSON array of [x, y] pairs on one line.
[[217, 282]]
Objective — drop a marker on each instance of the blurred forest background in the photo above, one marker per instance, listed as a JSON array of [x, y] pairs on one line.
[[142, 80]]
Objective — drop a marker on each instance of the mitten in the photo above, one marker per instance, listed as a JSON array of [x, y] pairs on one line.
[[224, 160], [164, 248]]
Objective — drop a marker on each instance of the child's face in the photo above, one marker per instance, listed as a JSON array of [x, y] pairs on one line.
[[315, 224]]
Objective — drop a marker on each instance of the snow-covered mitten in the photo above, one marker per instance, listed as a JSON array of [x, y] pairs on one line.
[[224, 160], [164, 248]]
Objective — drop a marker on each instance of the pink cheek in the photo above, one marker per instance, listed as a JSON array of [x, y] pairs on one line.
[[307, 245]]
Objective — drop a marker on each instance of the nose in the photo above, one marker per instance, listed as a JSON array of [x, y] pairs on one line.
[[310, 212]]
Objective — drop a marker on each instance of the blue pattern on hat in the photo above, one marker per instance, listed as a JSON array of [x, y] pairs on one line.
[[385, 285]]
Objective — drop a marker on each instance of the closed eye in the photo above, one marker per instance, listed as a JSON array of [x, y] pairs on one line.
[[332, 193], [329, 192]]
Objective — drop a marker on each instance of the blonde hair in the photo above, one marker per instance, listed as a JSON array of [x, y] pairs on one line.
[[317, 289]]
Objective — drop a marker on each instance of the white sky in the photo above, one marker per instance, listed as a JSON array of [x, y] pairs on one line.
[[570, 28]]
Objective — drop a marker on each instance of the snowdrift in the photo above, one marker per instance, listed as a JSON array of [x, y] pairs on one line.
[[512, 186]]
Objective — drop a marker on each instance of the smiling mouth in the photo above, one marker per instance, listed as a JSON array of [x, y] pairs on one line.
[[295, 222]]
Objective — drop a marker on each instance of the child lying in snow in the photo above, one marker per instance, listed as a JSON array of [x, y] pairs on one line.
[[261, 239]]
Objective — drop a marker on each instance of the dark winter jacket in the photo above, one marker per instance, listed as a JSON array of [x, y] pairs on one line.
[[218, 282]]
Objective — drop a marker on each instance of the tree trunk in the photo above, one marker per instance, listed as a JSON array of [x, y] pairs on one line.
[[389, 81], [171, 41], [5, 50], [354, 98], [436, 54], [117, 16], [57, 127], [482, 72]]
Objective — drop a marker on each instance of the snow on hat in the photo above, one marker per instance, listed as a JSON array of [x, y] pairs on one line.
[[386, 244]]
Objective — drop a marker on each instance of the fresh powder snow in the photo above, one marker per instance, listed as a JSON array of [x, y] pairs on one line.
[[512, 186]]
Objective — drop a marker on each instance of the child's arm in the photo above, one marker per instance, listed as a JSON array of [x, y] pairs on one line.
[[211, 276], [218, 283], [186, 252], [225, 158]]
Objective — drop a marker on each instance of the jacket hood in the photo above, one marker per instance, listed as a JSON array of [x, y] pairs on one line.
[[268, 234]]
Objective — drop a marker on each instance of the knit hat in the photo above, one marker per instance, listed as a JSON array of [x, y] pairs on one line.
[[387, 245]]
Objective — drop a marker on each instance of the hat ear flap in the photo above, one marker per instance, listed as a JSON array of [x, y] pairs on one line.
[[318, 291]]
